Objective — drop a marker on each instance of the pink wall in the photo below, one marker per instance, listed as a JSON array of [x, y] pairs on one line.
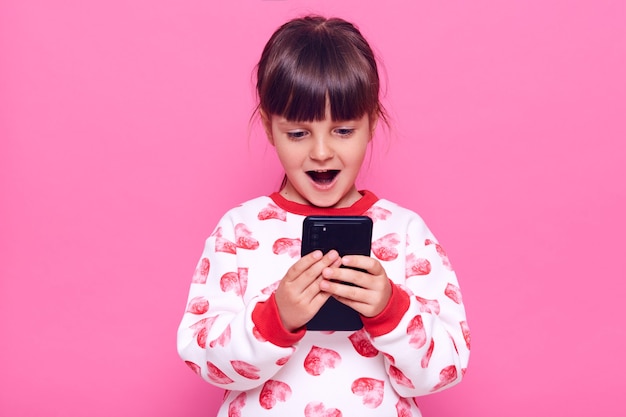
[[124, 136]]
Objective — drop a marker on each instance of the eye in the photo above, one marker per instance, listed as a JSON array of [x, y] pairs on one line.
[[344, 131], [296, 134]]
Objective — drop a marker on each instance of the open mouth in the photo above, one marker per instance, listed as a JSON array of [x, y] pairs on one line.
[[323, 176]]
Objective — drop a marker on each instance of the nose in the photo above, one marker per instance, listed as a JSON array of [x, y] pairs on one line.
[[322, 149]]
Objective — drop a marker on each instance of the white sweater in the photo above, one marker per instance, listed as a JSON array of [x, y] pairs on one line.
[[231, 334]]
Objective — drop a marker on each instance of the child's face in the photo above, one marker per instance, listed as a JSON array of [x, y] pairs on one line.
[[321, 159]]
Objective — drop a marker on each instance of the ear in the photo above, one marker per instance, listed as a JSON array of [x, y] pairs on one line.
[[373, 123], [266, 120]]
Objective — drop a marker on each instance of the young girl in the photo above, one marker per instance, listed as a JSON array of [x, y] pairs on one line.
[[244, 328]]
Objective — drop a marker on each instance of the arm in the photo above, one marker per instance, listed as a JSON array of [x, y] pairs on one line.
[[217, 337], [416, 319], [236, 339], [428, 349]]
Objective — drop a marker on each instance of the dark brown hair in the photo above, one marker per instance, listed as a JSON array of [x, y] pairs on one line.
[[313, 60]]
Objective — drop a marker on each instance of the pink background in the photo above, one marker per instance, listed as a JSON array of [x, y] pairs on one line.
[[124, 137]]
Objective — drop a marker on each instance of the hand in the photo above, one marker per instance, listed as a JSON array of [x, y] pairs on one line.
[[372, 291], [298, 296]]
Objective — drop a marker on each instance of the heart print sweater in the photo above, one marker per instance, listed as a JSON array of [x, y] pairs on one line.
[[231, 334]]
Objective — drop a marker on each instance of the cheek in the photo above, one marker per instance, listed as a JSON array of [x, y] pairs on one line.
[[288, 159], [356, 156]]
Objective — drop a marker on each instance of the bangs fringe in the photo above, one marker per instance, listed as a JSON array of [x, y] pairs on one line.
[[321, 73]]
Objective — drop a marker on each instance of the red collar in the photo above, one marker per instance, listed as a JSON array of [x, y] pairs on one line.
[[356, 209]]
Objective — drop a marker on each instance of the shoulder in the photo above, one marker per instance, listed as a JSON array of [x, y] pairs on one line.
[[384, 209], [390, 216], [259, 208], [252, 206]]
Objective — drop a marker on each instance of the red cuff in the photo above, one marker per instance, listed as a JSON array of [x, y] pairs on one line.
[[388, 319], [268, 323]]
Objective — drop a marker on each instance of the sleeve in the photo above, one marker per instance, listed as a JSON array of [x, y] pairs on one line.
[[217, 337], [428, 350]]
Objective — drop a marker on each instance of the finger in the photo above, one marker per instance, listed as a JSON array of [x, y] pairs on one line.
[[302, 265], [336, 263], [303, 277], [310, 279], [344, 275], [361, 278], [315, 269], [318, 301], [365, 301], [367, 263], [343, 291], [296, 314]]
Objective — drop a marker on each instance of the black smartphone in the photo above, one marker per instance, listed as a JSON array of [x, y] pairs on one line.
[[348, 235]]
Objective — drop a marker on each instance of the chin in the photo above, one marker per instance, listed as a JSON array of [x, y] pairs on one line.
[[322, 204], [328, 203]]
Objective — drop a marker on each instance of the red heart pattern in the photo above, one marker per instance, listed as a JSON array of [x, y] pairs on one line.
[[272, 211], [235, 281], [426, 359], [236, 405], [442, 253], [216, 375], [223, 339], [194, 367], [222, 244], [466, 334], [384, 248], [198, 305], [417, 333], [417, 266], [446, 377], [372, 391], [202, 271], [317, 409], [201, 330], [246, 370], [428, 306], [398, 376], [244, 237], [318, 359], [403, 408], [273, 392], [362, 344], [377, 213], [287, 245], [454, 293]]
